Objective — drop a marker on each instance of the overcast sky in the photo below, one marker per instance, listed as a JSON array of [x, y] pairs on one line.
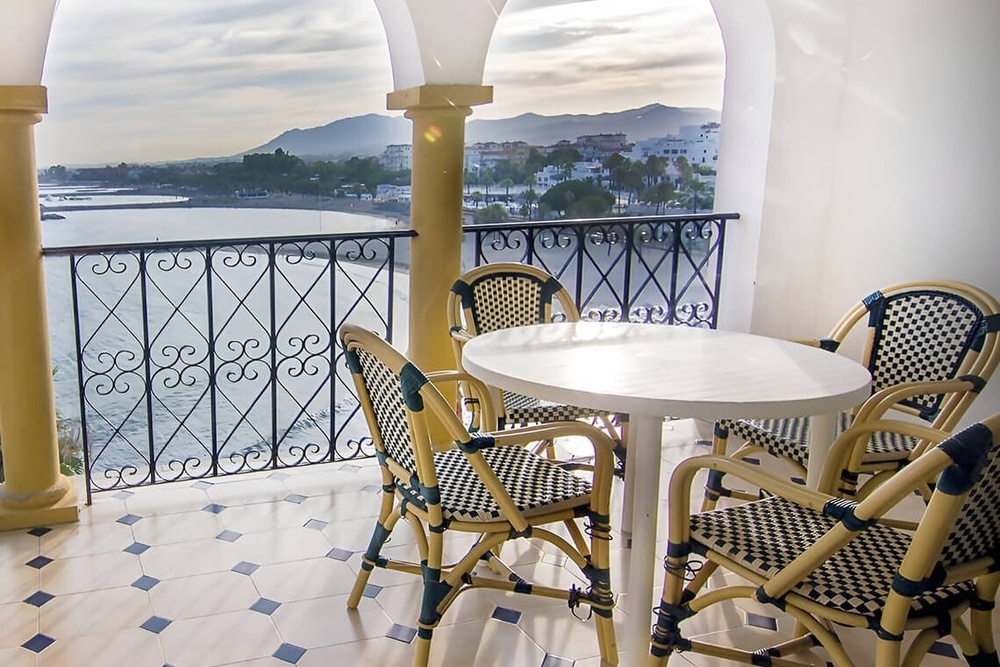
[[176, 79]]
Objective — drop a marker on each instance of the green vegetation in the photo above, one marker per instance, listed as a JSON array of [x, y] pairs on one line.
[[491, 213], [626, 182], [276, 172], [577, 199]]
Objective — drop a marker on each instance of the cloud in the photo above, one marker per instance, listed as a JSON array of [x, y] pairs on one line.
[[159, 80]]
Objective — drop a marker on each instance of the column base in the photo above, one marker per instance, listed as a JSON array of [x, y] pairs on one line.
[[64, 510]]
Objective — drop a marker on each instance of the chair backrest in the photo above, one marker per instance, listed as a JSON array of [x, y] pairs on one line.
[[394, 394], [507, 294], [920, 332]]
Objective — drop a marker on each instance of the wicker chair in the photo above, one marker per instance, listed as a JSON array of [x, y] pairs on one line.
[[491, 485], [829, 561], [508, 294], [930, 348]]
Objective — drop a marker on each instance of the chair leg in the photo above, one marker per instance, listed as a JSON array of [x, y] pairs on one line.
[[383, 528], [714, 488], [982, 622]]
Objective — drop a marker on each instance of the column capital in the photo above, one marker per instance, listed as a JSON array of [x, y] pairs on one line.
[[439, 96], [33, 99]]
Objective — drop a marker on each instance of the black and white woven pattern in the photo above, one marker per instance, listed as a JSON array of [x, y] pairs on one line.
[[921, 336], [789, 438], [503, 301], [977, 530], [534, 483], [390, 409], [766, 535], [521, 409]]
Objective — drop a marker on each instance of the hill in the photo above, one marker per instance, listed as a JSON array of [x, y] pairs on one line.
[[371, 133]]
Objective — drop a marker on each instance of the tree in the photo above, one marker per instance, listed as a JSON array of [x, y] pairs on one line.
[[491, 213], [658, 194], [591, 206], [656, 169], [505, 184], [698, 192], [562, 197], [530, 196], [563, 155]]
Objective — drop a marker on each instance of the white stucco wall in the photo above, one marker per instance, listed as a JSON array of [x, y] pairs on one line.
[[882, 159]]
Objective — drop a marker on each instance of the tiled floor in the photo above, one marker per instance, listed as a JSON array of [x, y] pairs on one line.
[[255, 571]]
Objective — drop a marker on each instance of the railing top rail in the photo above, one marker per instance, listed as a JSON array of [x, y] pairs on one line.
[[584, 222], [216, 243]]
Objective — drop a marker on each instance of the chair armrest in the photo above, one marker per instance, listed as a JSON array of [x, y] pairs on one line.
[[488, 420], [849, 448], [882, 401], [461, 335]]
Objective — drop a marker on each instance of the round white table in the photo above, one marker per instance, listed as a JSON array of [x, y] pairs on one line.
[[650, 371]]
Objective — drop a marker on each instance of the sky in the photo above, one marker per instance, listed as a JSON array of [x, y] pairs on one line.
[[163, 80]]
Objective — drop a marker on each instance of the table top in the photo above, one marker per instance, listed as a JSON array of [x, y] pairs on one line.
[[652, 369]]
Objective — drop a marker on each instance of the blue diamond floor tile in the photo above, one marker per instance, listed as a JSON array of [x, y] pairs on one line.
[[507, 615], [39, 531], [761, 621], [265, 606], [201, 484], [943, 649], [243, 567], [130, 519], [136, 548], [556, 661], [213, 508], [316, 524], [38, 643], [296, 498], [401, 633], [289, 653], [229, 536], [339, 554], [156, 624], [372, 591], [39, 598], [145, 582], [38, 562], [123, 495]]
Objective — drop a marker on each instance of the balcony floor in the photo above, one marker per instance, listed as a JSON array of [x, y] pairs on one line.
[[255, 570]]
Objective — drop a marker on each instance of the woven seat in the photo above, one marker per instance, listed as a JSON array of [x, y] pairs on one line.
[[830, 561], [489, 484], [930, 348], [506, 294]]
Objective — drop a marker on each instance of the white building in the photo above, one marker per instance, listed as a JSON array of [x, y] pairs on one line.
[[553, 174], [398, 157], [699, 144]]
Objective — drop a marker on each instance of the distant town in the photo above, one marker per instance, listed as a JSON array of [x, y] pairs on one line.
[[595, 175]]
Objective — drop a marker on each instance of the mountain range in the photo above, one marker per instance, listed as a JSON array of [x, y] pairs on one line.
[[371, 133]]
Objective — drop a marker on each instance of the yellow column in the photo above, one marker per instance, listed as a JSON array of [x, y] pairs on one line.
[[438, 113], [34, 492]]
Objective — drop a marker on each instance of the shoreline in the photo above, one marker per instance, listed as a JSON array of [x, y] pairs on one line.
[[397, 212]]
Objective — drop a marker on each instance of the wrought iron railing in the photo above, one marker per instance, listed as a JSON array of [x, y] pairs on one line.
[[211, 358], [204, 359], [662, 269]]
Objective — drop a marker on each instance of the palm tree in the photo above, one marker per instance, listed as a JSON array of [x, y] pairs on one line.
[[505, 184], [530, 196]]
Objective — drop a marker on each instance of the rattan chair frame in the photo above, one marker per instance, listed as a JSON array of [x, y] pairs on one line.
[[443, 582], [957, 394], [919, 571], [465, 322]]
